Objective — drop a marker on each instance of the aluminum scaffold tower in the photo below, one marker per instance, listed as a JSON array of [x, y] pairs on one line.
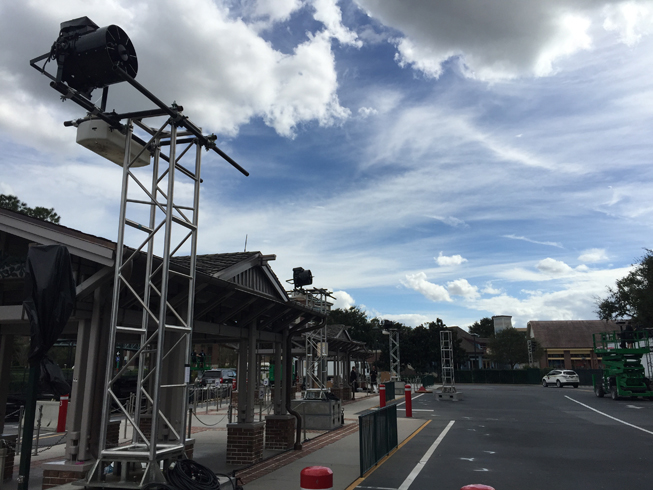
[[164, 333], [153, 299], [446, 355], [316, 344], [395, 365]]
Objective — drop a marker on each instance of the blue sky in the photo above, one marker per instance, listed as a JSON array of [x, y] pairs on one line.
[[424, 159]]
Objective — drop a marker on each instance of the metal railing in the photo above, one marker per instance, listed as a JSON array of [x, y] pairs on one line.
[[377, 436]]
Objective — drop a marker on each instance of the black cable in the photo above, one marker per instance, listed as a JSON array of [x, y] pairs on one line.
[[186, 474]]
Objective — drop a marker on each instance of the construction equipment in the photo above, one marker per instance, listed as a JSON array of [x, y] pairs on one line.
[[623, 372]]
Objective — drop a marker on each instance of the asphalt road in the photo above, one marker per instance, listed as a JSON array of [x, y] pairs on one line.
[[524, 437]]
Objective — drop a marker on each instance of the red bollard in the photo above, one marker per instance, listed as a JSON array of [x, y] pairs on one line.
[[409, 401], [382, 395], [316, 478], [63, 412], [477, 487]]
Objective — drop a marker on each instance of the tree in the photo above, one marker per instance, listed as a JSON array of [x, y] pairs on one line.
[[509, 346], [12, 203], [632, 298], [484, 328], [360, 328]]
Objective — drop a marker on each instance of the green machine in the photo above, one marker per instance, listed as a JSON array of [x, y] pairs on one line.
[[623, 372]]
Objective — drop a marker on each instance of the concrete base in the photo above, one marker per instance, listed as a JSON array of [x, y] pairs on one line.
[[319, 414], [245, 443], [449, 396]]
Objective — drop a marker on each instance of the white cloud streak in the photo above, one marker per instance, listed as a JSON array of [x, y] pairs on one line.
[[444, 261]]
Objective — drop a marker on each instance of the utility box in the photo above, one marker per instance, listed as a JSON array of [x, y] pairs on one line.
[[320, 410]]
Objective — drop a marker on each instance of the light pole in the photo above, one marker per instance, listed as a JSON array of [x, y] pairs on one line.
[[474, 336]]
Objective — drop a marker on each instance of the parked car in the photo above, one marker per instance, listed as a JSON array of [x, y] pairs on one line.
[[560, 378], [222, 376]]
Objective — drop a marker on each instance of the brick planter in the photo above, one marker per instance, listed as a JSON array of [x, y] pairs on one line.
[[245, 443], [279, 431], [343, 393], [9, 456], [60, 473], [113, 434]]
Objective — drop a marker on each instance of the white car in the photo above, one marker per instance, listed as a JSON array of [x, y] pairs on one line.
[[560, 378]]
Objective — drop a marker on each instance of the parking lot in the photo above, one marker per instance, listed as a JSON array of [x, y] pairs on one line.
[[524, 437]]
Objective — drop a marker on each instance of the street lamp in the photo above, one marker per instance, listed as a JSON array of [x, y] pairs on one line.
[[475, 336]]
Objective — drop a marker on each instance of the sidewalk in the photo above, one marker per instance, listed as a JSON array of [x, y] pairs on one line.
[[280, 470]]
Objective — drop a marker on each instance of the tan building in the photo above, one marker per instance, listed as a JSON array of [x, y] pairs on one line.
[[568, 344]]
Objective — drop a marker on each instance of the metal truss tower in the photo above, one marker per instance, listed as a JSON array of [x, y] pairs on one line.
[[167, 224], [317, 352], [317, 348], [149, 308], [395, 365], [446, 355]]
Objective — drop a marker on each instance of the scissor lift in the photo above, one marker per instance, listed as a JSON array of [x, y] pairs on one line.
[[623, 373]]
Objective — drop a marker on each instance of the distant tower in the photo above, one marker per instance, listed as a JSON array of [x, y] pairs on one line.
[[502, 322]]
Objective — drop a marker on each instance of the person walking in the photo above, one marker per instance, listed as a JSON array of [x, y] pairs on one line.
[[373, 375], [353, 381]]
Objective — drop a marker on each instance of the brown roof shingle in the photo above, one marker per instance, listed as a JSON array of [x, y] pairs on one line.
[[568, 333]]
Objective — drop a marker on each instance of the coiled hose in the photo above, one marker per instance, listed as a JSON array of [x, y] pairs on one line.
[[186, 474]]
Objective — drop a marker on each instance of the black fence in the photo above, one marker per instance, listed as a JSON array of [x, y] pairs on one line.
[[377, 436]]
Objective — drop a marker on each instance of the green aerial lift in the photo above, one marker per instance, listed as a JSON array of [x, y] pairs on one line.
[[623, 372]]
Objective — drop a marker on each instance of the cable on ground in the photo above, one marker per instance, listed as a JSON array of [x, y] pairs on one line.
[[186, 474]]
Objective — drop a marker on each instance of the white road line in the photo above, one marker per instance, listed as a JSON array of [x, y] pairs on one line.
[[419, 466], [610, 416], [377, 488], [417, 410], [414, 398]]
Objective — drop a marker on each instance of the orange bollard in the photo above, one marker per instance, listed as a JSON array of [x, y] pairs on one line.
[[477, 486], [409, 401], [382, 395], [316, 478]]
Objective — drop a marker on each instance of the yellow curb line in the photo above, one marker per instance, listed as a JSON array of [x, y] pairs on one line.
[[385, 458]]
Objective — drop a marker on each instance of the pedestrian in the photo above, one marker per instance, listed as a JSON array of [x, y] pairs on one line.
[[202, 359], [193, 359], [353, 381], [373, 375]]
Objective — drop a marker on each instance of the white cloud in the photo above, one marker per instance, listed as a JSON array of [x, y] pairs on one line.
[[343, 300], [489, 289], [503, 39], [366, 112], [461, 287], [328, 12], [572, 299], [571, 37], [592, 255], [444, 261], [409, 319], [553, 267], [631, 20], [451, 221], [434, 292], [276, 10], [220, 69], [551, 244]]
